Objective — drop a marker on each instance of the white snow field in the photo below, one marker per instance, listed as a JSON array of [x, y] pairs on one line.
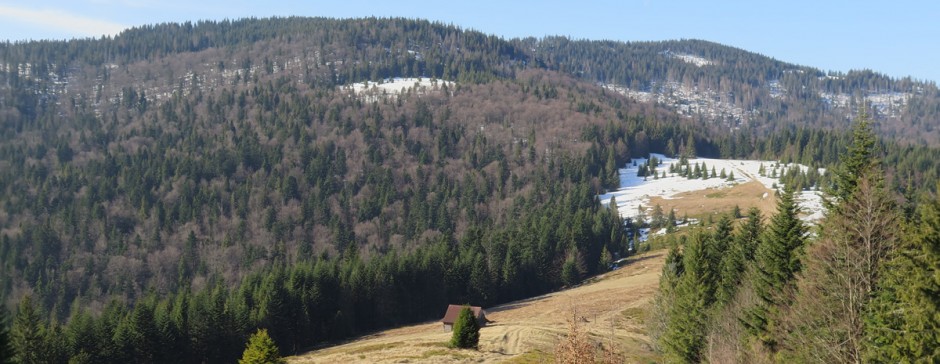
[[395, 86], [634, 191]]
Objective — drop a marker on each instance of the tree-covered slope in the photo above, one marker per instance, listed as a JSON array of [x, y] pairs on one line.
[[736, 88], [167, 191]]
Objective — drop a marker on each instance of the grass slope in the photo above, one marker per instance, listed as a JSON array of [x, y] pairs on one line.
[[613, 307]]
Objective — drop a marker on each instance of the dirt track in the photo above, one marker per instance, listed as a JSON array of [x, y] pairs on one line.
[[612, 307]]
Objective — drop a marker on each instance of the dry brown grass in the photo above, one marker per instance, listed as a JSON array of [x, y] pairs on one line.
[[720, 200], [613, 308]]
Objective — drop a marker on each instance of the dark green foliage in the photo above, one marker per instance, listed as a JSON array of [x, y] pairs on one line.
[[570, 274], [466, 330], [735, 256], [903, 323], [261, 350], [731, 260], [683, 339], [777, 260], [27, 333], [7, 353], [857, 160]]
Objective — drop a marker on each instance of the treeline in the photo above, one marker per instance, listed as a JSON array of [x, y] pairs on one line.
[[857, 289]]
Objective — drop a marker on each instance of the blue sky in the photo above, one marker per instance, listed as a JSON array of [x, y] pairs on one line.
[[899, 38]]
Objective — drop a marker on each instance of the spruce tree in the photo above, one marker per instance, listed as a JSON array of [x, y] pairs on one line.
[[261, 350], [717, 247], [6, 347], [27, 333], [903, 322], [777, 261], [739, 253], [748, 236], [858, 159], [466, 330], [665, 298], [686, 324]]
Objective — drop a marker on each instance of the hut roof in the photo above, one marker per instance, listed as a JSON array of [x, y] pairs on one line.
[[454, 310]]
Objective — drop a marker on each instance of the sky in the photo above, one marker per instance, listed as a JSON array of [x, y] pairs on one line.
[[899, 38]]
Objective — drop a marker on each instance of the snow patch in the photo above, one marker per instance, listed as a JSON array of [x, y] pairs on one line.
[[633, 196], [690, 101], [688, 58], [396, 86], [889, 104]]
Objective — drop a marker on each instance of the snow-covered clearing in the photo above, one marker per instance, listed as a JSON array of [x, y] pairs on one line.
[[635, 192], [691, 59], [373, 90]]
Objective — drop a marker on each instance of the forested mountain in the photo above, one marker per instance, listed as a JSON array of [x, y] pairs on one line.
[[167, 191], [735, 88]]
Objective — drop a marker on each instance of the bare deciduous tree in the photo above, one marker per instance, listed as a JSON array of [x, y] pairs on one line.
[[825, 323]]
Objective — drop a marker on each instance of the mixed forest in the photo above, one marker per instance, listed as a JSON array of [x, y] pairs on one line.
[[170, 191]]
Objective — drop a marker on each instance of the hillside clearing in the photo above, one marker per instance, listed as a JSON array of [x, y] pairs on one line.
[[696, 197], [720, 200], [613, 305]]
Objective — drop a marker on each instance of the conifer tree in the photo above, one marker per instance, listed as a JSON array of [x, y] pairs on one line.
[[858, 159], [778, 258], [739, 253], [665, 297], [6, 348], [689, 147], [718, 250], [261, 350], [748, 236], [466, 330], [686, 325], [612, 177], [903, 324], [27, 333]]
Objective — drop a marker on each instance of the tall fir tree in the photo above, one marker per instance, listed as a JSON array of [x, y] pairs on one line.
[[27, 333], [665, 297], [686, 325], [778, 258], [715, 246], [856, 161], [6, 347], [903, 322], [738, 254]]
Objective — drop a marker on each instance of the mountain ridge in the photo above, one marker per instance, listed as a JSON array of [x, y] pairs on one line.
[[749, 89]]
